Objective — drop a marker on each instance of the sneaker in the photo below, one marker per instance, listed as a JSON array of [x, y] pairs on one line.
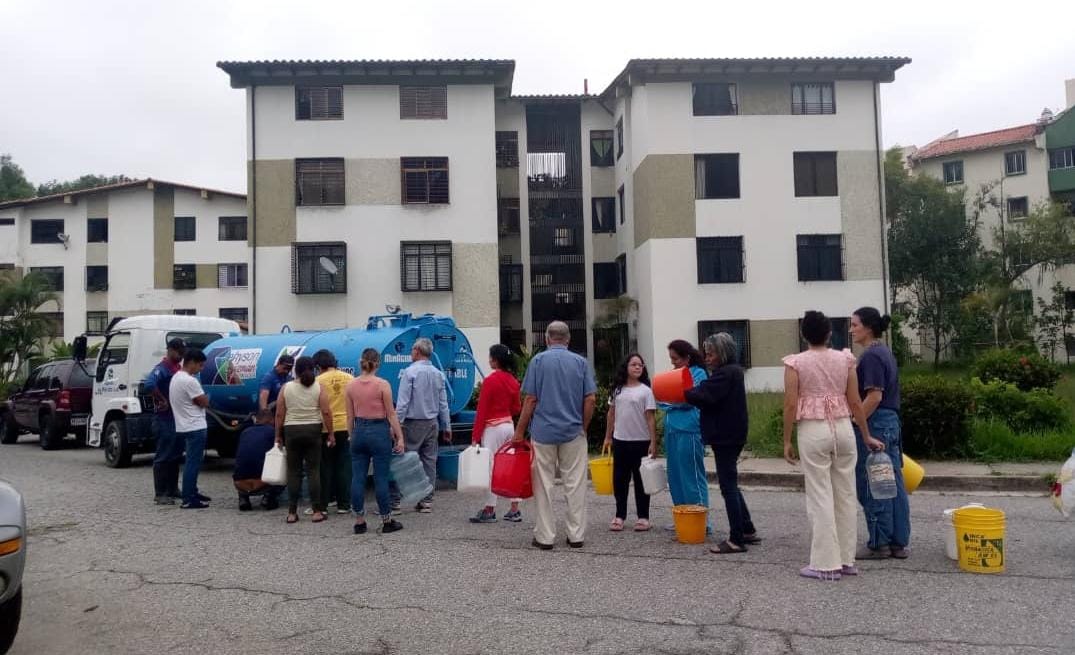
[[308, 511], [203, 498], [515, 516], [391, 525], [574, 544], [343, 510], [899, 553], [194, 504], [164, 500], [269, 505], [484, 516], [871, 553], [332, 504], [395, 508], [245, 506], [849, 570], [361, 528], [424, 507], [540, 546], [828, 576]]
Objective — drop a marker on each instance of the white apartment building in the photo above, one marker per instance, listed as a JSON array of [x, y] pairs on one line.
[[690, 196], [140, 247]]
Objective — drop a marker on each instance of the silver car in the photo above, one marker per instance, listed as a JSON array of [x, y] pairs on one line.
[[12, 562]]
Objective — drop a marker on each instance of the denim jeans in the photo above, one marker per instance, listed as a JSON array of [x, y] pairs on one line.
[[370, 440], [888, 521], [739, 523], [195, 443]]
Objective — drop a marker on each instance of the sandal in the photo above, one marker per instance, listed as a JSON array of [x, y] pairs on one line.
[[727, 548], [292, 518], [616, 525], [642, 525], [318, 517]]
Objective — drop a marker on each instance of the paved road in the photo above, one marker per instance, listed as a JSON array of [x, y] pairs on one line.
[[110, 572]]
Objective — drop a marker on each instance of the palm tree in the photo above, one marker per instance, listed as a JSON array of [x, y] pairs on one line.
[[22, 326]]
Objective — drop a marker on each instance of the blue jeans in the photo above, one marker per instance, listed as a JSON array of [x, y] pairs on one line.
[[888, 521], [687, 481], [195, 442], [370, 440]]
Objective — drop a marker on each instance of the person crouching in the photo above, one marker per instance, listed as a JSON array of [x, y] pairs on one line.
[[254, 442]]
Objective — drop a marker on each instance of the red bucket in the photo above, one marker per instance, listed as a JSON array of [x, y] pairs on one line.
[[668, 387], [511, 470]]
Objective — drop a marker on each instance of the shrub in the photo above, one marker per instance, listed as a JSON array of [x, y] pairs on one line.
[[1025, 370], [936, 415], [596, 434], [1023, 411], [996, 441]]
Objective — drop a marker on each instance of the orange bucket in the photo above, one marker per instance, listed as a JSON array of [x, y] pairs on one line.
[[668, 387], [690, 523]]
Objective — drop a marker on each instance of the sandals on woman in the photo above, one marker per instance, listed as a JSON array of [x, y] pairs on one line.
[[642, 525], [318, 517], [292, 518], [616, 525], [727, 548]]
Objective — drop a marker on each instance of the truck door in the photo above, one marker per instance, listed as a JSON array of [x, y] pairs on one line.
[[111, 378]]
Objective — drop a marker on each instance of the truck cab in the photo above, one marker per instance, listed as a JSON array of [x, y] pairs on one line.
[[121, 417]]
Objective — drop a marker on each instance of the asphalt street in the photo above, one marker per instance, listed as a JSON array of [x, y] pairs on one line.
[[109, 572]]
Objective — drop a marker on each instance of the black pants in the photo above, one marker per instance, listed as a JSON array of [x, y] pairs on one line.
[[302, 443], [739, 522], [336, 470], [626, 464]]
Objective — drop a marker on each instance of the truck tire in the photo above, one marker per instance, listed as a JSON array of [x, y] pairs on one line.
[[9, 430], [10, 613], [114, 442], [226, 447], [49, 431]]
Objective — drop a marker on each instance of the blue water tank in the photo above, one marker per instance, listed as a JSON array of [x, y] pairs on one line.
[[235, 365]]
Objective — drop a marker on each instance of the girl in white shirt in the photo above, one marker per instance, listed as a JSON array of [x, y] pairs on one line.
[[632, 433]]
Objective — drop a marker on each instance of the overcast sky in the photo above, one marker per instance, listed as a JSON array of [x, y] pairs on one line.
[[113, 87]]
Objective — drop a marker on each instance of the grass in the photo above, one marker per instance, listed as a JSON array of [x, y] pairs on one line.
[[993, 441], [765, 438]]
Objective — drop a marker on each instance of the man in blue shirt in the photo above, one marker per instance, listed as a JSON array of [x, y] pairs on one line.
[[166, 460], [422, 407], [254, 442], [273, 381], [560, 394]]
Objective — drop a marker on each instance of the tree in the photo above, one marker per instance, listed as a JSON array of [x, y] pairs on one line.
[[85, 182], [22, 327], [13, 182], [1054, 321]]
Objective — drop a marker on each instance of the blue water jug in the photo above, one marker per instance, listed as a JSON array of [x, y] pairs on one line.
[[882, 475], [410, 477]]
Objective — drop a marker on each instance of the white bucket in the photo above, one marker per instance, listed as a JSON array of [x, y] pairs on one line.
[[950, 547], [654, 475]]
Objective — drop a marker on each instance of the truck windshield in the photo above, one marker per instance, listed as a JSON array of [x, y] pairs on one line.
[[197, 340]]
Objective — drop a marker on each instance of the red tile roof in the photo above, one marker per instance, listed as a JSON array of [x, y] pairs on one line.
[[984, 141]]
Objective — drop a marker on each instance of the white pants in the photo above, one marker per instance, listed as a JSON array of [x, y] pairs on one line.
[[493, 438], [571, 458], [828, 462]]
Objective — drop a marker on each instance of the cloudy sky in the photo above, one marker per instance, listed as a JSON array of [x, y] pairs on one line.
[[131, 87]]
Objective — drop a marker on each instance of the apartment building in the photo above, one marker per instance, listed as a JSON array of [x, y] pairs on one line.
[[689, 196], [140, 247]]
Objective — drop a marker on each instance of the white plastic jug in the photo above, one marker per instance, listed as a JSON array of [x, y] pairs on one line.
[[475, 469], [274, 470], [950, 547], [654, 475]]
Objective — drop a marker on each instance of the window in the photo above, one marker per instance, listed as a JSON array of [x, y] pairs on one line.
[[739, 330], [563, 237], [606, 280], [603, 212], [7, 222], [507, 216], [619, 138], [720, 260], [621, 271], [319, 182], [46, 231], [184, 312], [423, 102], [318, 103], [97, 230], [543, 279], [813, 98], [511, 283], [1015, 162], [425, 180], [601, 148], [114, 352], [184, 228], [231, 275], [231, 228], [841, 334], [53, 275], [55, 321], [96, 322], [96, 278], [622, 208], [507, 149], [319, 267], [1069, 300], [425, 265], [953, 172], [562, 298], [815, 174], [184, 276], [1062, 158], [237, 314], [820, 257], [715, 99], [1018, 208], [716, 176], [1022, 303]]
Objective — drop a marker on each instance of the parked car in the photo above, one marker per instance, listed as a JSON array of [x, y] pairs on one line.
[[12, 562], [54, 402]]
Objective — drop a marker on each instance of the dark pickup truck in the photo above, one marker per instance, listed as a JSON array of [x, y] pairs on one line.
[[54, 402]]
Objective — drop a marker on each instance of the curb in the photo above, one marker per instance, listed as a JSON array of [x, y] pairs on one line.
[[1020, 483]]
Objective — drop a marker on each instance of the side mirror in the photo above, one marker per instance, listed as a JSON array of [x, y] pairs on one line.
[[79, 348]]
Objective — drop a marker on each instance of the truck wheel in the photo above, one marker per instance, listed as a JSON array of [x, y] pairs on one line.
[[9, 431], [114, 440], [10, 612], [49, 431], [226, 447]]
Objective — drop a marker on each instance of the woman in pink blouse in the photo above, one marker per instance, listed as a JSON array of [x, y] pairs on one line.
[[820, 396]]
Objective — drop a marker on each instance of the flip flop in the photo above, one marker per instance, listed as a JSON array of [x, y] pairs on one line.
[[727, 548], [318, 519], [292, 518]]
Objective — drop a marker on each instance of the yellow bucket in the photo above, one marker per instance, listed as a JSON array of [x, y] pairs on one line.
[[601, 473], [980, 539], [912, 474], [690, 523]]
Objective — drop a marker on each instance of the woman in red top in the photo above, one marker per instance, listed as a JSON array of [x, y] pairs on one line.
[[498, 402]]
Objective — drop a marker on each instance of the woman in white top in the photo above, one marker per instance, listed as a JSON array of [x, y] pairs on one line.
[[631, 431], [303, 412]]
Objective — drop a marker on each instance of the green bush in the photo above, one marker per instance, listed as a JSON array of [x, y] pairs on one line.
[[1026, 371], [936, 415], [995, 441], [596, 434], [1023, 411]]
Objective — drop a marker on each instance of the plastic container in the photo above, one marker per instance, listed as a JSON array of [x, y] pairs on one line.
[[881, 475], [512, 476], [410, 477], [274, 470], [448, 464], [654, 475], [668, 387], [690, 523], [475, 469], [951, 549], [1063, 494], [913, 473], [980, 538], [601, 473]]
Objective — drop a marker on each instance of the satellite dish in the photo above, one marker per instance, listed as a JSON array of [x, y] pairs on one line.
[[328, 265]]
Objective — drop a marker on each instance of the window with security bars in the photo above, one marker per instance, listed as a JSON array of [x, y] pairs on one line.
[[507, 216], [97, 230], [96, 278], [425, 265], [46, 231], [237, 314], [318, 103], [815, 174], [423, 102], [319, 182], [739, 331], [563, 237], [319, 267], [507, 149], [1018, 208], [185, 228], [511, 283], [820, 257], [231, 275], [813, 98], [53, 275], [603, 215], [953, 172], [184, 276], [231, 228], [720, 260], [1061, 158], [96, 322], [601, 148], [424, 180], [840, 338], [606, 280], [715, 99], [1015, 162]]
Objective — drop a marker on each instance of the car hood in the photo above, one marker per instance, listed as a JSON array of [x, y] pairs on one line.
[[12, 509]]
